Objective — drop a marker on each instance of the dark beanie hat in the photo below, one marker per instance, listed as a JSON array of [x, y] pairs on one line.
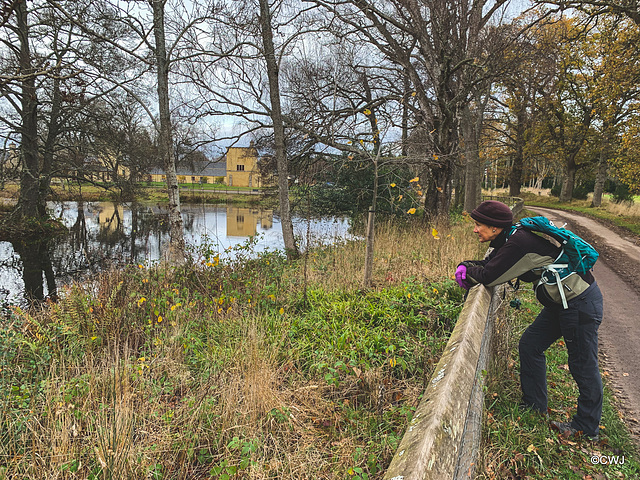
[[493, 213]]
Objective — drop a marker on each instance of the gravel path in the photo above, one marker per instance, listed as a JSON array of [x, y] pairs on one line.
[[618, 275]]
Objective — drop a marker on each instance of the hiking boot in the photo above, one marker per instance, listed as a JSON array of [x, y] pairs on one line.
[[566, 430]]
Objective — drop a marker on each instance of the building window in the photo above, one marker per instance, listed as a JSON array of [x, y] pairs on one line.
[[240, 168], [240, 218], [193, 179]]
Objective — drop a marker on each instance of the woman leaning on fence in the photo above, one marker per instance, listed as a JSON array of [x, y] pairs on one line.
[[519, 253]]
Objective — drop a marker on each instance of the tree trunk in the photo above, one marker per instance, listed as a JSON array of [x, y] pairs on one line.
[[438, 192], [176, 251], [53, 132], [515, 179], [405, 115], [368, 257], [601, 178], [473, 165], [29, 202], [568, 181], [278, 130], [601, 175]]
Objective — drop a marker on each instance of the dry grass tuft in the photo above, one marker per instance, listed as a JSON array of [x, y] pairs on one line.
[[622, 209], [429, 252], [252, 382]]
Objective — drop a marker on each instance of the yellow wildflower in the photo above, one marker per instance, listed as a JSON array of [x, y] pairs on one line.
[[411, 211]]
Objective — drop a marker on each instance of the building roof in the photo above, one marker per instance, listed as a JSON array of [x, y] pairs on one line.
[[216, 168]]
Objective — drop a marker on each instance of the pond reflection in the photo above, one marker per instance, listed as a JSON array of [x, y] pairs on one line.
[[36, 269], [105, 234]]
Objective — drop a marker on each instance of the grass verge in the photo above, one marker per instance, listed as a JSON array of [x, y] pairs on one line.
[[518, 444]]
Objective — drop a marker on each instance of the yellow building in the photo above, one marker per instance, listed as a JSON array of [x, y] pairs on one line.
[[243, 222], [104, 169], [242, 167], [110, 216], [198, 172]]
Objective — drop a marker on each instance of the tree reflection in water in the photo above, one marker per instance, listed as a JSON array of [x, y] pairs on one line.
[[36, 268], [104, 235]]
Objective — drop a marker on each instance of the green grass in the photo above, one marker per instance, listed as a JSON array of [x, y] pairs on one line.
[[201, 186], [518, 443], [219, 369]]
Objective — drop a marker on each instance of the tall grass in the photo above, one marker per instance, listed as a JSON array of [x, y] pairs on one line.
[[240, 369], [415, 251]]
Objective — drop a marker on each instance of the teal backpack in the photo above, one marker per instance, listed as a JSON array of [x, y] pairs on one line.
[[576, 255]]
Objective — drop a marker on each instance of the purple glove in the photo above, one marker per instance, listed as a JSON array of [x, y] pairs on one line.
[[461, 276]]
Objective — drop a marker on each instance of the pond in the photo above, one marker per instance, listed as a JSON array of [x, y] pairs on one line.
[[104, 234]]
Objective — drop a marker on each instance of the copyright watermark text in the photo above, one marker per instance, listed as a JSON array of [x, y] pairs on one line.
[[607, 459]]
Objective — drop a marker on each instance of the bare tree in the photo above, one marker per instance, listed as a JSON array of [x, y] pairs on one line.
[[431, 42], [21, 92], [176, 254], [152, 47], [273, 76], [50, 102], [238, 76]]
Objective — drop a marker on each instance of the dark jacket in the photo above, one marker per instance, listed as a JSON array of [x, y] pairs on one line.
[[523, 255]]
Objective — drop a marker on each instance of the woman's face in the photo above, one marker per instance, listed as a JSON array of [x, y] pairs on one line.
[[485, 232]]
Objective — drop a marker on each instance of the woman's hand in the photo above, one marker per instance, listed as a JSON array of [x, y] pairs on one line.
[[461, 276]]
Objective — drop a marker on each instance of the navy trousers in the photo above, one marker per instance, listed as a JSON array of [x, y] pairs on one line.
[[578, 325]]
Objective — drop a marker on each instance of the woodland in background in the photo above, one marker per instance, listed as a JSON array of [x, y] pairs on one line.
[[418, 103]]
